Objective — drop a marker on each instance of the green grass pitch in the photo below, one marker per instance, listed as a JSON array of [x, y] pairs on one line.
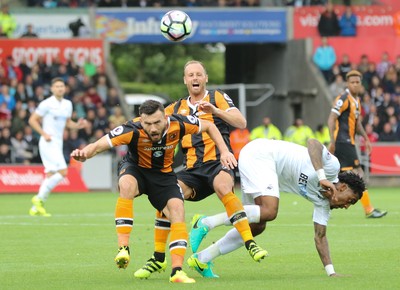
[[75, 248]]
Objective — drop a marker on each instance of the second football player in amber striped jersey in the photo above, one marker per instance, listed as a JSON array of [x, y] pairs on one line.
[[344, 123], [151, 140], [203, 174], [198, 149]]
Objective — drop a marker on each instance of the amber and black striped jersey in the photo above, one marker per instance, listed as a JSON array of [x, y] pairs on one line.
[[145, 153], [348, 108], [200, 148]]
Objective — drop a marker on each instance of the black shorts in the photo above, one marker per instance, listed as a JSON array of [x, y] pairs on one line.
[[347, 155], [201, 179], [158, 186]]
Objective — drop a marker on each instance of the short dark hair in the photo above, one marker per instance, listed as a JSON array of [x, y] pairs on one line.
[[149, 107], [353, 73], [53, 81], [354, 181]]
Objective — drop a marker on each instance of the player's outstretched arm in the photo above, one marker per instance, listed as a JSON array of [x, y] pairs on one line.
[[227, 158], [91, 150], [321, 243]]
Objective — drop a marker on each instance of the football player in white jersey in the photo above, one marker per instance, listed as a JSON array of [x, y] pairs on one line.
[[267, 167], [49, 120]]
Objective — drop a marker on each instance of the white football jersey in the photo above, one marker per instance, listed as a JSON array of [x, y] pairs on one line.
[[295, 171], [54, 115]]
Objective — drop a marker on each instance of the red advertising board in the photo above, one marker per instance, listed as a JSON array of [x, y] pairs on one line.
[[19, 179], [355, 47], [371, 20], [385, 159], [82, 50], [394, 3]]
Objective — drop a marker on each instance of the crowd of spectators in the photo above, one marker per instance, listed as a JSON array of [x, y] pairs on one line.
[[174, 3], [380, 98], [23, 87]]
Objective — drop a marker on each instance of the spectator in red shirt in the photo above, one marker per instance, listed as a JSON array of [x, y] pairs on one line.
[[94, 96]]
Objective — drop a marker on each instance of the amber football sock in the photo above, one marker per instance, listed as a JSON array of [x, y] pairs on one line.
[[366, 202], [237, 215], [178, 244], [162, 227], [124, 220]]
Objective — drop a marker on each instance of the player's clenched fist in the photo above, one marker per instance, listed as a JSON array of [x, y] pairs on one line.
[[79, 155]]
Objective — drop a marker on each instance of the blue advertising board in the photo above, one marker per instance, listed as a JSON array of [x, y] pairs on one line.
[[233, 25]]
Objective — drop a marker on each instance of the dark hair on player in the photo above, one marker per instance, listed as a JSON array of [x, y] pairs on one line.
[[149, 107], [353, 73], [354, 181]]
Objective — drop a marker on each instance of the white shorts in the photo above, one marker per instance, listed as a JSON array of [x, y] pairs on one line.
[[52, 155], [258, 176]]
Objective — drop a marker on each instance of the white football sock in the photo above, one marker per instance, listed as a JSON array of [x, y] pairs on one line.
[[252, 212], [228, 243], [48, 184]]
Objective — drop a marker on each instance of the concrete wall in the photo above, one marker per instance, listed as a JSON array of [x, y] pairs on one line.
[[98, 172], [300, 90]]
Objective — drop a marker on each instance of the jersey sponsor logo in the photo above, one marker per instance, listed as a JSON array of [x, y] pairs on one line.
[[339, 104], [157, 154], [117, 131], [158, 148], [302, 182], [192, 119], [228, 99]]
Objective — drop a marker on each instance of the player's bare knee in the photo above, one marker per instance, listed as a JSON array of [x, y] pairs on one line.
[[125, 190], [268, 214], [257, 228]]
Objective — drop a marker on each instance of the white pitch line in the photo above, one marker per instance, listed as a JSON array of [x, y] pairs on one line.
[[62, 224], [146, 225], [60, 215]]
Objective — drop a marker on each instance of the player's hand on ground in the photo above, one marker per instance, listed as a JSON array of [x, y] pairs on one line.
[[79, 155], [228, 160]]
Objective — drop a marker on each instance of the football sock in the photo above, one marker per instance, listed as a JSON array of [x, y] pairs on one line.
[[124, 220], [159, 256], [48, 184], [252, 212], [178, 244], [228, 243], [237, 215], [162, 227], [366, 202]]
